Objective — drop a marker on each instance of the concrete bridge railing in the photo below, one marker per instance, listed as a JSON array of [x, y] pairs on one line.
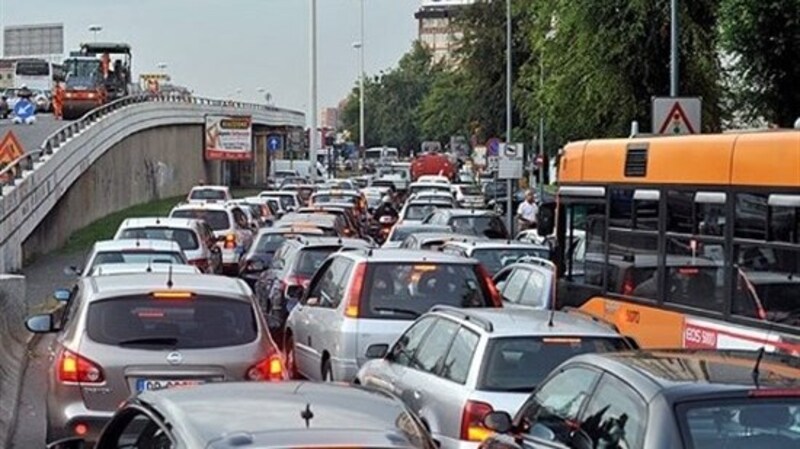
[[33, 184]]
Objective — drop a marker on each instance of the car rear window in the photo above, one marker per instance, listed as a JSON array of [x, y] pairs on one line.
[[742, 423], [471, 190], [482, 226], [137, 257], [185, 238], [208, 194], [216, 219], [149, 323], [405, 290], [311, 259], [518, 364], [269, 243], [494, 259], [325, 198], [420, 211]]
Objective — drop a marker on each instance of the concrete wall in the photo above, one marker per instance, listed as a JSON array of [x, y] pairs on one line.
[[13, 342], [151, 164]]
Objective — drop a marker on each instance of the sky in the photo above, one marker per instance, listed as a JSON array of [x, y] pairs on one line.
[[218, 46]]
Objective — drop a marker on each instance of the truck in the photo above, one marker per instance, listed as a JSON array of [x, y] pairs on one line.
[[433, 163], [97, 74]]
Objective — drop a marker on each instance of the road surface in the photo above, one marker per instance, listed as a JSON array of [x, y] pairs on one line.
[[32, 136]]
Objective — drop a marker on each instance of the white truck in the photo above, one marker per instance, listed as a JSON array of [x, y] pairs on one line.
[[300, 167]]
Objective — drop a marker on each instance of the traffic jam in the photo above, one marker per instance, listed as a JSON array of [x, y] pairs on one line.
[[387, 310]]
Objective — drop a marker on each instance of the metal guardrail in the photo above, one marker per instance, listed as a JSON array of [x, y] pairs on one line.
[[16, 169]]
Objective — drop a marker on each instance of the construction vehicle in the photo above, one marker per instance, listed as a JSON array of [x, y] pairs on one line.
[[97, 74]]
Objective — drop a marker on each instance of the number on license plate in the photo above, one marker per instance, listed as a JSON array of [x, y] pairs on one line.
[[163, 384]]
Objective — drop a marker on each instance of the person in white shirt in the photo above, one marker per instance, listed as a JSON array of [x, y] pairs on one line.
[[527, 212]]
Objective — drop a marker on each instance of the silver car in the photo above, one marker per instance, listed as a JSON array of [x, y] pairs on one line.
[[136, 251], [361, 298], [120, 335], [454, 366]]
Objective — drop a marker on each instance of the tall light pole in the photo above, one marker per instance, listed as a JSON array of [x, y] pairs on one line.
[[674, 60], [509, 124], [313, 137], [362, 123], [95, 29]]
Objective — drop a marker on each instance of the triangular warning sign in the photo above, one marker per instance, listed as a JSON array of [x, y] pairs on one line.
[[10, 148], [676, 121]]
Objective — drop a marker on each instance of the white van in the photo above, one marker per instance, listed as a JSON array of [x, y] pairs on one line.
[[300, 167]]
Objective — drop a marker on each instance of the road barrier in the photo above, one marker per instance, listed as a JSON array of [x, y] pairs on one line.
[[13, 345]]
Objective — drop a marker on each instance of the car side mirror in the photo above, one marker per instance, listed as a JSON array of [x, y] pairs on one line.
[[72, 270], [62, 295], [295, 292], [377, 351], [40, 324], [499, 422], [68, 443]]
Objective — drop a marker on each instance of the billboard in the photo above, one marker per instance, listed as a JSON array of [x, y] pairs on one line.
[[228, 137], [33, 40]]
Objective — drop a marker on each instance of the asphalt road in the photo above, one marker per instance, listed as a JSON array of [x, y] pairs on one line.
[[42, 278], [32, 136]]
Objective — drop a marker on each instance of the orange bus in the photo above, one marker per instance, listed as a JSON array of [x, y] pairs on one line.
[[685, 241]]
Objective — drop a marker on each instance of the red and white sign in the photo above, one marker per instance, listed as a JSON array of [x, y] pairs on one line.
[[697, 337], [229, 137], [674, 116]]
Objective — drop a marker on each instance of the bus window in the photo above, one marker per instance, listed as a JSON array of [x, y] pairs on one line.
[[586, 252], [772, 277], [751, 216], [633, 264], [680, 212], [783, 224], [711, 219], [620, 203], [695, 274]]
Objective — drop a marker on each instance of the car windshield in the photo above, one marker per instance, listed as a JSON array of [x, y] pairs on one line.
[[334, 198], [420, 211], [216, 219], [269, 243], [185, 238], [518, 364], [494, 259], [768, 423], [310, 260], [208, 194], [430, 188], [416, 287], [470, 190], [480, 225], [137, 257], [149, 322]]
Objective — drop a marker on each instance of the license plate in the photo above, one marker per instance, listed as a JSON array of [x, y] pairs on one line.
[[163, 384]]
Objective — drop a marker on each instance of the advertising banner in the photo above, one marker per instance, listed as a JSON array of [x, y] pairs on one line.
[[229, 137]]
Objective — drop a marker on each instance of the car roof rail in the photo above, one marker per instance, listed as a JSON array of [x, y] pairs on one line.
[[464, 315], [591, 317], [538, 261]]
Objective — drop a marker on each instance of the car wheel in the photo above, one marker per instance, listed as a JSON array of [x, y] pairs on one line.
[[327, 373], [291, 363]]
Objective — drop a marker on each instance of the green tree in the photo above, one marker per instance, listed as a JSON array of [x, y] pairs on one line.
[[447, 109], [762, 40]]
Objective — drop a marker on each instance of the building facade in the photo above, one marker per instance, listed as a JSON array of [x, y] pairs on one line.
[[437, 28], [329, 118]]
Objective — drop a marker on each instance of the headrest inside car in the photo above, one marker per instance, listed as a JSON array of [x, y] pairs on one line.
[[766, 416]]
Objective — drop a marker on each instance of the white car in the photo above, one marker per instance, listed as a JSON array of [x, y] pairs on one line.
[[130, 251], [114, 269], [195, 237], [469, 196], [416, 210], [438, 179], [434, 195], [288, 199], [417, 187], [230, 225], [209, 193]]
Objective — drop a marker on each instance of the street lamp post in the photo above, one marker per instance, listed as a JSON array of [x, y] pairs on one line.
[[362, 126], [95, 29], [674, 61], [313, 137], [509, 183]]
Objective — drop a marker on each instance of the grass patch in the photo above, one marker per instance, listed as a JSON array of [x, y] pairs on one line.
[[104, 228]]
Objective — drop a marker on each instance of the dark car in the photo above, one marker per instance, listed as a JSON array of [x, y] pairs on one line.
[[294, 263], [679, 399], [481, 223], [331, 225], [354, 228], [259, 256], [286, 415]]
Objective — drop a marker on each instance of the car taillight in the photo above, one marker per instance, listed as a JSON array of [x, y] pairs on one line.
[[497, 301], [74, 368], [354, 295], [230, 241], [472, 428], [628, 284], [269, 369], [202, 264]]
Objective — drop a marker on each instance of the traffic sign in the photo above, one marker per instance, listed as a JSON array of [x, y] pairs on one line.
[[510, 161], [493, 147], [24, 109], [673, 115], [275, 143], [10, 148]]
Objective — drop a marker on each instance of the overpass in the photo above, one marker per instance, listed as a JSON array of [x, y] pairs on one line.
[[131, 151]]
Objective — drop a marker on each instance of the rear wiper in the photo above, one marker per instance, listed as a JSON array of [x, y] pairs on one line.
[[413, 313], [150, 341]]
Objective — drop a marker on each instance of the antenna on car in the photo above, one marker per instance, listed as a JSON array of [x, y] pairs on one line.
[[758, 364], [149, 265], [169, 277]]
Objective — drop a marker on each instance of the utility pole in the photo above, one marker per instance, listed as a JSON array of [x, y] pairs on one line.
[[509, 182], [674, 62], [313, 137], [362, 124]]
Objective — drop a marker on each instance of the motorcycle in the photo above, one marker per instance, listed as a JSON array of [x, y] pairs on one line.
[[383, 228]]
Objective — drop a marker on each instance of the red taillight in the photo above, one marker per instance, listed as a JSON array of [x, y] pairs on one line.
[[230, 241], [472, 428], [74, 368], [269, 369], [81, 429], [628, 284], [497, 301], [354, 295], [201, 264]]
